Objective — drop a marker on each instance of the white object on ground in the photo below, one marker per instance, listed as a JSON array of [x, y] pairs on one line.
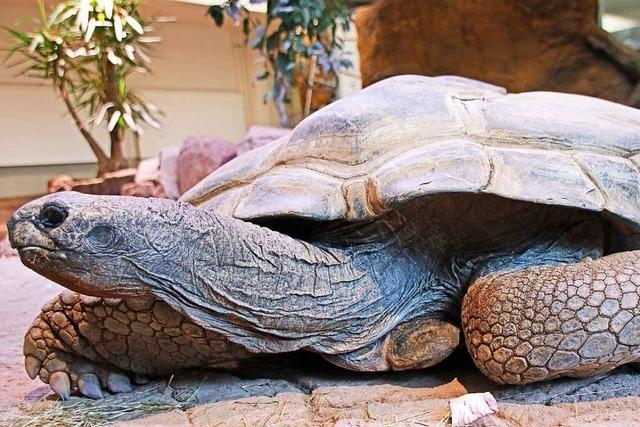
[[471, 407]]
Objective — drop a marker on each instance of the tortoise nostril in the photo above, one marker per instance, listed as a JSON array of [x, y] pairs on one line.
[[15, 217], [52, 216]]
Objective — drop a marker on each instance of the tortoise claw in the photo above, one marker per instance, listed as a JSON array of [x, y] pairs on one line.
[[60, 384], [32, 366], [119, 383], [89, 386]]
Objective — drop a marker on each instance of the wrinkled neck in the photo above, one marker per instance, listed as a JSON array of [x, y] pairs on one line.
[[266, 290]]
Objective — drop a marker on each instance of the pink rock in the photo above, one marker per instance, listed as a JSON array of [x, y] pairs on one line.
[[257, 136], [199, 156], [168, 160]]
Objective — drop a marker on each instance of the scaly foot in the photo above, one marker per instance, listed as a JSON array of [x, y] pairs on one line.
[[545, 322], [85, 345]]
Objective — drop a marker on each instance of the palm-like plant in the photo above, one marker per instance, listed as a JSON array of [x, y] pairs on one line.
[[88, 49]]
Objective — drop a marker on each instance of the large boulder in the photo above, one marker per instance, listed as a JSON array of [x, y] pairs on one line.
[[199, 156], [523, 45]]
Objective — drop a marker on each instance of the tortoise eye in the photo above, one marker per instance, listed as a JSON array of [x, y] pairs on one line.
[[102, 237], [52, 216]]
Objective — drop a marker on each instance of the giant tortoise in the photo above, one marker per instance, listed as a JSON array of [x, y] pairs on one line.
[[387, 225]]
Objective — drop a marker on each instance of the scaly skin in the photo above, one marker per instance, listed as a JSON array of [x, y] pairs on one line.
[[545, 322], [264, 290], [82, 344], [363, 304]]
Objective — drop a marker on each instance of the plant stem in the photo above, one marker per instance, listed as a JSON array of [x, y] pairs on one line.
[[310, 81], [138, 146], [103, 160], [116, 135], [280, 98]]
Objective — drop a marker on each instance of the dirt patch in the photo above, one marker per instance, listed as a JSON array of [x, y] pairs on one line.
[[24, 292], [297, 409]]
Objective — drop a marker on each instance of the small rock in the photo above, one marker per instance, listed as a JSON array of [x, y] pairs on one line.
[[168, 164], [148, 170], [199, 156], [257, 136]]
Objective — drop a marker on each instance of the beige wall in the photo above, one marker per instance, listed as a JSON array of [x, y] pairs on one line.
[[202, 80]]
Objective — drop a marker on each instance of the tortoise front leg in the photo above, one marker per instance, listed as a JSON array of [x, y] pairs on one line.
[[86, 344], [545, 322]]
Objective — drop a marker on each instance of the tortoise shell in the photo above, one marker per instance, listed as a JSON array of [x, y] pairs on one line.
[[408, 137]]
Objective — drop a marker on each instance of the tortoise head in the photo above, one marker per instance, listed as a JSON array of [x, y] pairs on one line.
[[96, 245]]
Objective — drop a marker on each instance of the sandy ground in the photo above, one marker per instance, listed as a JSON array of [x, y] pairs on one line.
[[23, 293], [303, 390]]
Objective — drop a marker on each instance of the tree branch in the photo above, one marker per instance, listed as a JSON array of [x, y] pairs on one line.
[[95, 147], [116, 135]]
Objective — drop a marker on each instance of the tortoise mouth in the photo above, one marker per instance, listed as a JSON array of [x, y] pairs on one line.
[[38, 256], [61, 266], [26, 248]]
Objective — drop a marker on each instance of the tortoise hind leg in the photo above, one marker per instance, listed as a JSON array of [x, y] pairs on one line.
[[416, 344], [546, 322]]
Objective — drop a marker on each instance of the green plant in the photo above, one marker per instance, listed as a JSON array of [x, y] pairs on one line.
[[88, 49], [297, 36]]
